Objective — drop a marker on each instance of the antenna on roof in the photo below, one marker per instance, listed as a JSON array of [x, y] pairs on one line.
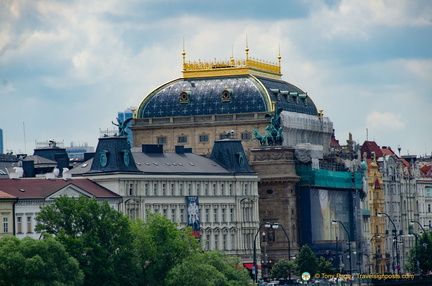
[[25, 146], [184, 54], [247, 49]]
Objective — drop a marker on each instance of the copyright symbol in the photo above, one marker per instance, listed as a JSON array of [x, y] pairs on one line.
[[317, 276]]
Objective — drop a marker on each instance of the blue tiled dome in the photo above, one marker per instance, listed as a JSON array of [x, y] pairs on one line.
[[224, 95]]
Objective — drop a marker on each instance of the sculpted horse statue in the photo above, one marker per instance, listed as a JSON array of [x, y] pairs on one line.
[[262, 139]]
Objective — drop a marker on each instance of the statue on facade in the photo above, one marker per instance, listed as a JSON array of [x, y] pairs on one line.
[[122, 126], [273, 136]]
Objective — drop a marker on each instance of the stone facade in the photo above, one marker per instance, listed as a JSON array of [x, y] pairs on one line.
[[277, 202], [200, 132]]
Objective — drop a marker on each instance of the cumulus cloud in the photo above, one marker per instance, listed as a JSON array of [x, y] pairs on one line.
[[384, 122]]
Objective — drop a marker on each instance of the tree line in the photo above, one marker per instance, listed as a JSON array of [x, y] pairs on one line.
[[85, 242]]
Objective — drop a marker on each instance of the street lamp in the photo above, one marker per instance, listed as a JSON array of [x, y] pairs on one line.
[[376, 252], [275, 226], [395, 238], [349, 242], [415, 221], [255, 268]]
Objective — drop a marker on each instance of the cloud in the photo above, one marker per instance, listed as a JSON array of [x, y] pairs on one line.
[[385, 122], [5, 87]]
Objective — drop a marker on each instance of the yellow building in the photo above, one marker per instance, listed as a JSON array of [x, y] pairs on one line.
[[379, 259], [6, 213]]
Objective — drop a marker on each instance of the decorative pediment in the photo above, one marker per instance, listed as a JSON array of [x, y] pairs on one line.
[[69, 191]]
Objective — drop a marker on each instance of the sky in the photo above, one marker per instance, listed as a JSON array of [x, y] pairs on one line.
[[68, 67]]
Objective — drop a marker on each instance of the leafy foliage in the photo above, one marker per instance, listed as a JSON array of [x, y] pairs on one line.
[[98, 236], [282, 269], [325, 266], [37, 262], [306, 261], [159, 246], [209, 268], [419, 257]]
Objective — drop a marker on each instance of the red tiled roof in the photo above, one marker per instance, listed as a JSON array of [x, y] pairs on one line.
[[368, 147], [387, 151], [42, 188], [4, 195]]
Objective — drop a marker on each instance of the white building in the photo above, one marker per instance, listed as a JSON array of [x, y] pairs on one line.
[[223, 186]]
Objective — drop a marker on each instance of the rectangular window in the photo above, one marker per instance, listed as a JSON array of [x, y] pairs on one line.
[[232, 241], [172, 189], [207, 215], [190, 189], [246, 136], [198, 189], [163, 190], [181, 189], [131, 193], [182, 139], [206, 189], [224, 241], [230, 189], [246, 190], [231, 215], [29, 225], [216, 237], [155, 189], [214, 189], [215, 215], [222, 189], [207, 242], [223, 215], [162, 140], [146, 189], [429, 208], [173, 214], [5, 225], [182, 215], [165, 212], [428, 191], [19, 224], [203, 138]]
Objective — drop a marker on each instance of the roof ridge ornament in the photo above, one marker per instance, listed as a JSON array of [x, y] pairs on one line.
[[248, 66]]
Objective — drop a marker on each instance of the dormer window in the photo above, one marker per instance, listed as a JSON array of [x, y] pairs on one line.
[[227, 95], [185, 96]]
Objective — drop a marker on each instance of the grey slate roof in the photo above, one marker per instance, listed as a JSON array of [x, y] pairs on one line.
[[165, 163]]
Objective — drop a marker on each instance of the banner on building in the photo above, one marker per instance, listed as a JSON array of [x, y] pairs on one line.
[[193, 212]]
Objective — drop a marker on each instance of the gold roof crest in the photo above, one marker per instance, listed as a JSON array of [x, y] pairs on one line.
[[193, 69]]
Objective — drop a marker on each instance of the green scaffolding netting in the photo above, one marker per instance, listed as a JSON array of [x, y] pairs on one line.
[[327, 178]]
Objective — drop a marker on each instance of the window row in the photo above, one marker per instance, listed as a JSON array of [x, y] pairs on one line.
[[203, 138], [206, 215], [187, 189], [24, 224]]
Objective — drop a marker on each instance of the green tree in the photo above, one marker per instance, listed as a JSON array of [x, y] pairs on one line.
[[37, 262], [306, 261], [159, 246], [282, 269], [325, 266], [98, 236], [209, 268], [419, 257]]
